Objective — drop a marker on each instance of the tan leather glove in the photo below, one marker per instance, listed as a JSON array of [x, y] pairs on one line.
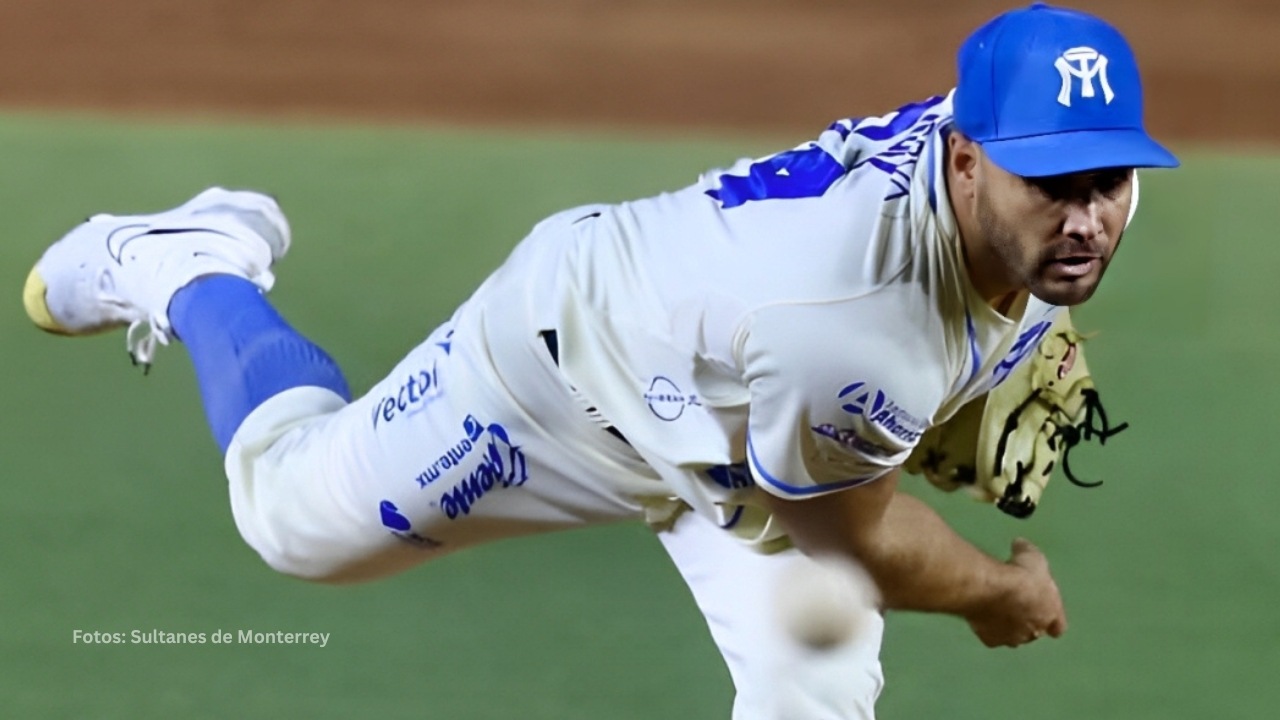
[[1003, 447]]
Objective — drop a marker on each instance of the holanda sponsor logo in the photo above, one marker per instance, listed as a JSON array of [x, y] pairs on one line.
[[666, 401], [415, 393], [501, 464], [850, 439], [879, 409]]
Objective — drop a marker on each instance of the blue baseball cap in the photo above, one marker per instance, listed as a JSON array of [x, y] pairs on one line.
[[1048, 91]]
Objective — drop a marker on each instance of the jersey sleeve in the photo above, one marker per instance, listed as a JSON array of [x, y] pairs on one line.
[[834, 403]]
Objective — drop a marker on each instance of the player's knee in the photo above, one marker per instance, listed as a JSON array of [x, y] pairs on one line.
[[329, 562], [302, 566], [290, 554]]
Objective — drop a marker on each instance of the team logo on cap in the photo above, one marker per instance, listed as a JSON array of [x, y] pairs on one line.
[[1086, 64]]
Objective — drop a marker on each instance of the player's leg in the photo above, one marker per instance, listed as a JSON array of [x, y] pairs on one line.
[[775, 678], [438, 456], [196, 272], [435, 458], [474, 436], [244, 352]]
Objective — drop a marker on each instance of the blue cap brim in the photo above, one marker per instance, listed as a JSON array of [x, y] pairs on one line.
[[1079, 151]]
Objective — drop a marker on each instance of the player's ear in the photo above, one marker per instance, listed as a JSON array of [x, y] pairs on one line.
[[963, 163]]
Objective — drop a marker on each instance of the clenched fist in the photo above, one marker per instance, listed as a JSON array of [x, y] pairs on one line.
[[1031, 607]]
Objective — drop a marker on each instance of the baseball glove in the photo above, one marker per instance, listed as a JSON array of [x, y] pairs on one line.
[[1003, 446]]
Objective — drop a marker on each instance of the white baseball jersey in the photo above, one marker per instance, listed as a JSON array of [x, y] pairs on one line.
[[793, 323]]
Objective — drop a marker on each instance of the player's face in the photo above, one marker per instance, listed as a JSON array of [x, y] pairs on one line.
[[1053, 235]]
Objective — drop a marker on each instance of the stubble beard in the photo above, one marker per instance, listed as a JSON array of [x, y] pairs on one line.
[[1002, 241], [1023, 271]]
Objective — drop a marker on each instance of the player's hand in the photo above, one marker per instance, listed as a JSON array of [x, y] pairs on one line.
[[1029, 610]]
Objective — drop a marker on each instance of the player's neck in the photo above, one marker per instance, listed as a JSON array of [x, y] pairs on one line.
[[986, 273]]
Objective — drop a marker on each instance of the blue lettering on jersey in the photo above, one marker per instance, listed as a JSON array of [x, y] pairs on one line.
[[453, 457], [849, 438], [898, 161], [809, 171], [899, 121], [502, 465], [898, 423], [1026, 344], [418, 390], [879, 409]]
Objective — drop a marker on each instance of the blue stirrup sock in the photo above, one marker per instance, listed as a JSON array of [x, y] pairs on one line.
[[243, 351]]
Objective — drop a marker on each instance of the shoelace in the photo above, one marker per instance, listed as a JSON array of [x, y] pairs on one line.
[[141, 340]]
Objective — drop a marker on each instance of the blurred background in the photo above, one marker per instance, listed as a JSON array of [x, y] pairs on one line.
[[412, 144]]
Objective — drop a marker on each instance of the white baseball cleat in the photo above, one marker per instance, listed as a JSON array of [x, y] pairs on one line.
[[122, 270]]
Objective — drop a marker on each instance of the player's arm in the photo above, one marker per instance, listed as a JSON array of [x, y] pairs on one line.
[[919, 563], [826, 435]]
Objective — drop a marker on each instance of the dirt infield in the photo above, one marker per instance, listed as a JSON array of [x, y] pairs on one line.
[[1212, 69]]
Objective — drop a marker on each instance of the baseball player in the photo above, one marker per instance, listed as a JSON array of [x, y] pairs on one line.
[[745, 363]]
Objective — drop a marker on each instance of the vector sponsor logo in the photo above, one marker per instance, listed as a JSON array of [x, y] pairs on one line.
[[415, 393]]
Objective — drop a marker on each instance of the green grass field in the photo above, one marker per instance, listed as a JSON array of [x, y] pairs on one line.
[[113, 512]]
